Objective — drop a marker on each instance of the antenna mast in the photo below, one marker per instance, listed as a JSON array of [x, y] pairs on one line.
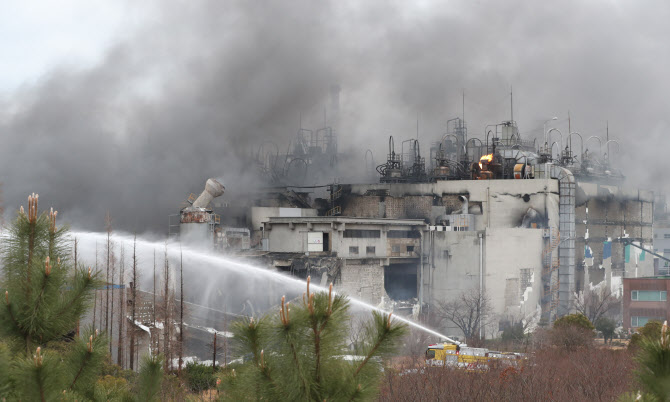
[[511, 103]]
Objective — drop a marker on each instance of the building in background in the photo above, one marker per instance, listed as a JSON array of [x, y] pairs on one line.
[[644, 300]]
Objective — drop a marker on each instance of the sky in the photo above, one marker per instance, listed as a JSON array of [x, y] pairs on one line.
[[127, 108]]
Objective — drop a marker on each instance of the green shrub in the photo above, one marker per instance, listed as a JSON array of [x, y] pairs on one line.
[[200, 377]]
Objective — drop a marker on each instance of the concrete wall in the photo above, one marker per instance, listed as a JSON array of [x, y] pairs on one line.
[[363, 279], [452, 268], [293, 238], [262, 214], [497, 203]]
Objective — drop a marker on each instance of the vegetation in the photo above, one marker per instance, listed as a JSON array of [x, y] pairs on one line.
[[43, 353], [550, 374], [651, 330], [44, 298], [468, 312], [200, 377], [300, 354], [607, 327]]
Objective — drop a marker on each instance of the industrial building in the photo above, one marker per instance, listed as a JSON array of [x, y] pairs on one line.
[[501, 216]]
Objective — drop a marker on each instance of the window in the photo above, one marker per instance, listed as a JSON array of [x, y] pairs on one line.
[[641, 321], [666, 251], [395, 249], [370, 250], [362, 234], [410, 249], [649, 295], [353, 250], [666, 236], [404, 234]]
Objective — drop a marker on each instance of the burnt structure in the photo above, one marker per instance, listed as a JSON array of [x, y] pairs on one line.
[[500, 215]]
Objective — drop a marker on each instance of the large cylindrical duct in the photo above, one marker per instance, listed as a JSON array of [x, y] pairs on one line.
[[213, 189]]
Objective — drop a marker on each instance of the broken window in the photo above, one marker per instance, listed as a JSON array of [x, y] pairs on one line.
[[370, 250], [362, 234], [353, 250], [410, 249], [401, 281], [525, 276]]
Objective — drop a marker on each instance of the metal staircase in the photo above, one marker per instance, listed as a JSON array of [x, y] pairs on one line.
[[335, 194]]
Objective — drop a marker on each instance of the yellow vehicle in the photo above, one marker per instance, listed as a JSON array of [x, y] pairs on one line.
[[463, 357]]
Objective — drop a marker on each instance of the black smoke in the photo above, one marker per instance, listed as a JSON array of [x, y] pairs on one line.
[[186, 94]]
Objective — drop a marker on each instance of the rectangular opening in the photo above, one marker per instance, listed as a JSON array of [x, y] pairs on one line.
[[361, 234], [401, 281], [410, 249], [353, 250], [404, 234], [370, 250]]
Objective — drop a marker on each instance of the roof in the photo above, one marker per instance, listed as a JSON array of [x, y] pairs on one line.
[[346, 219]]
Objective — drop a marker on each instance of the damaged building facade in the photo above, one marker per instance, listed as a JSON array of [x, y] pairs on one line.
[[528, 228]]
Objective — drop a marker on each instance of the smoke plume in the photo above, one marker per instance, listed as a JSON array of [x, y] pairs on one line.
[[184, 95]]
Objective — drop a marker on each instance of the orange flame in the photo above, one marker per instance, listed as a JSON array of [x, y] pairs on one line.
[[486, 158]]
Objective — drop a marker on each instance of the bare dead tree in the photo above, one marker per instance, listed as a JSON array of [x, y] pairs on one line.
[[133, 289], [75, 265], [225, 336], [108, 227], [95, 294], [166, 306], [122, 315], [181, 307], [153, 341], [111, 269], [596, 303], [216, 348], [468, 312]]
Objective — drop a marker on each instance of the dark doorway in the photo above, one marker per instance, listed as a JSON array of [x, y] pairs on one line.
[[400, 281], [326, 242]]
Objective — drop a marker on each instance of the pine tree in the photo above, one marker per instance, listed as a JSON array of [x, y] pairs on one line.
[[299, 354], [653, 372], [45, 296]]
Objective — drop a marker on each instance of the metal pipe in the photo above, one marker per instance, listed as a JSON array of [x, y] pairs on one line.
[[600, 141], [544, 129], [487, 141], [551, 150], [581, 142], [608, 148], [464, 199], [481, 278], [549, 137]]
